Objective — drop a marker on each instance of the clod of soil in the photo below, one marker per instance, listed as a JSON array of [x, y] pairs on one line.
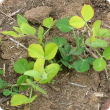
[[37, 15]]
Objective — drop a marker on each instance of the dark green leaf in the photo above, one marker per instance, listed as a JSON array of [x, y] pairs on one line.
[[6, 92], [24, 87], [15, 89], [2, 83], [90, 60], [63, 25], [65, 62]]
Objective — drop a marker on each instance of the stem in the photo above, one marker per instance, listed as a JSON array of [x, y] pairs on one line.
[[80, 57], [34, 37], [89, 28], [46, 32], [97, 52], [74, 34], [30, 98]]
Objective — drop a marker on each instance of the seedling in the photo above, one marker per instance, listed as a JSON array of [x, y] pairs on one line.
[[68, 24]]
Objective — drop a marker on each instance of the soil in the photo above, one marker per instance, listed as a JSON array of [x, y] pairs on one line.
[[71, 90]]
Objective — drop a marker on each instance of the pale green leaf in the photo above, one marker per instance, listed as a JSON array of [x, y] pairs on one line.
[[97, 43], [21, 20], [99, 64], [106, 53], [17, 29], [33, 73], [51, 71], [40, 34], [27, 29], [103, 33], [87, 12], [48, 22], [11, 33], [76, 22], [50, 51], [36, 51]]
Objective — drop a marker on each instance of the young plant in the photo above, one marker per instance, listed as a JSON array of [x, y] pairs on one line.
[[25, 29], [68, 24]]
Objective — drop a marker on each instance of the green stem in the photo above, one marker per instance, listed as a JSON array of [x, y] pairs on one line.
[[80, 57], [30, 97], [46, 32], [97, 52], [89, 28], [74, 34]]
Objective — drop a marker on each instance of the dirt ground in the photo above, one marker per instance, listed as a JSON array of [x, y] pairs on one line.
[[94, 87]]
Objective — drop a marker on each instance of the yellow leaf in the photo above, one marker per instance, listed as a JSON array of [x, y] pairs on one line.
[[77, 22], [87, 12]]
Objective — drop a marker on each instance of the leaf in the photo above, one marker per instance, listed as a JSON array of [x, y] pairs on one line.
[[39, 65], [87, 12], [27, 29], [81, 65], [36, 51], [0, 40], [19, 99], [20, 66], [59, 41], [63, 25], [90, 60], [76, 22], [33, 73], [6, 92], [99, 64], [30, 65], [103, 33], [97, 43], [21, 79], [51, 71], [24, 87], [1, 71], [81, 39], [48, 22], [17, 29], [21, 20], [35, 86], [11, 33], [96, 26], [15, 89], [77, 51], [106, 53], [77, 42], [40, 34], [65, 62], [50, 51], [2, 83], [13, 93]]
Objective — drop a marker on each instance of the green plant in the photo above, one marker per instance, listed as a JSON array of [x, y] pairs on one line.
[[32, 73], [68, 24]]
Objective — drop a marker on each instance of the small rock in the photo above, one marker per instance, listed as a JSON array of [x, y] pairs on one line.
[[38, 14]]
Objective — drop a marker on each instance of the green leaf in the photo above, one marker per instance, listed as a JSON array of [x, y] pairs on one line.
[[50, 51], [19, 99], [39, 65], [103, 33], [17, 29], [106, 53], [90, 60], [2, 83], [6, 92], [35, 86], [77, 22], [20, 66], [27, 29], [48, 22], [59, 41], [99, 64], [81, 39], [33, 73], [21, 20], [30, 65], [63, 25], [0, 40], [97, 43], [51, 71], [1, 71], [65, 62], [36, 51], [11, 33], [21, 79], [24, 87], [87, 12], [77, 51], [81, 65], [15, 89], [40, 34], [77, 42]]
